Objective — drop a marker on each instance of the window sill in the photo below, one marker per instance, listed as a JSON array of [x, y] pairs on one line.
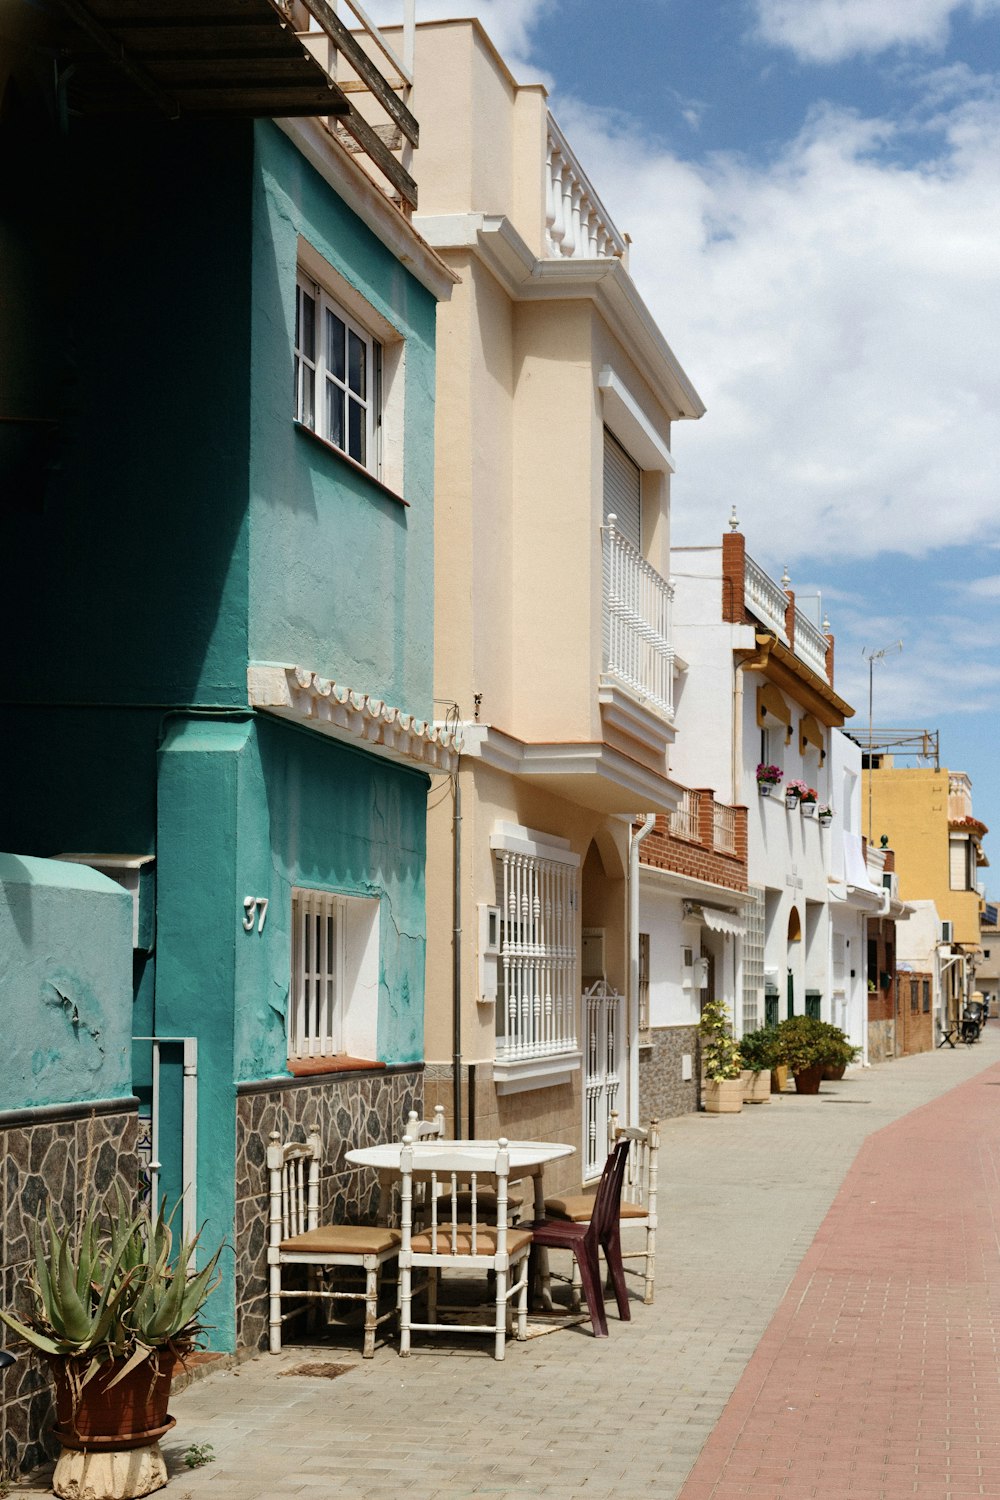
[[341, 1062], [351, 463], [519, 1074]]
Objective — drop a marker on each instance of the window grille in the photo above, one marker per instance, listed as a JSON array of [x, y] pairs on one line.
[[644, 981], [684, 818], [724, 828], [753, 959], [333, 994], [316, 1003], [537, 1000]]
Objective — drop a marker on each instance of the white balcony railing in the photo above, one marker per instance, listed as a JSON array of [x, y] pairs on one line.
[[684, 821], [637, 601], [576, 221], [810, 643], [765, 598], [724, 828]]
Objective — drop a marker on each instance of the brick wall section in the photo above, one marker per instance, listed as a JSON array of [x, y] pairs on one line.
[[734, 556], [663, 850]]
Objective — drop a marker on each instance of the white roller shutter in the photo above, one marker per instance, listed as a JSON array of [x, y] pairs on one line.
[[622, 491]]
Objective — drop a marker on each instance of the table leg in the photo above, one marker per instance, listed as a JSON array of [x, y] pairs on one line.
[[541, 1279]]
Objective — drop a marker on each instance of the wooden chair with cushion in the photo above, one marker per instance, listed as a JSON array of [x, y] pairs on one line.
[[464, 1242], [296, 1238], [599, 1231], [638, 1204]]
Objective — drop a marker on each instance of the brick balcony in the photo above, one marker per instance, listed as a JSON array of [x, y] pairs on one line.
[[704, 839]]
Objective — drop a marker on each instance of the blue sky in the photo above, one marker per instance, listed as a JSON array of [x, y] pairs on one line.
[[812, 188]]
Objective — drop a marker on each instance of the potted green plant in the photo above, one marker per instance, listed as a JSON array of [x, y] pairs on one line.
[[721, 1063], [757, 1052], [113, 1307], [768, 778], [803, 1045], [842, 1052]]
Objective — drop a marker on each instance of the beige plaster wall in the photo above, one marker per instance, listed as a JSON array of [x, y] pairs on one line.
[[489, 796]]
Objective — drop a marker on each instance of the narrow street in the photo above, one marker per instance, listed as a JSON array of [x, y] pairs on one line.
[[825, 1325]]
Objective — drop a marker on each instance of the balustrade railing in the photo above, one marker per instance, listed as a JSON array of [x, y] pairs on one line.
[[765, 598], [810, 643], [637, 601], [576, 221]]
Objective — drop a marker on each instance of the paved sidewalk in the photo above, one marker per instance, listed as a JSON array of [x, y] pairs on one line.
[[908, 1278]]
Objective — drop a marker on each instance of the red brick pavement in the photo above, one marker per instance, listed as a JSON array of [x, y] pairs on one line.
[[879, 1375]]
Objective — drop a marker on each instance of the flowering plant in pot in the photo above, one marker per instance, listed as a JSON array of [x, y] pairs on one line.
[[113, 1307], [721, 1062], [825, 815], [793, 791], [768, 778], [808, 800]]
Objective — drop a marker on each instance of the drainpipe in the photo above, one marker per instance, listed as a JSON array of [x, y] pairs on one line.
[[456, 962], [635, 839]]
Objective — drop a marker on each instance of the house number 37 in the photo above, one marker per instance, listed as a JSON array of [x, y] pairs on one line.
[[254, 913]]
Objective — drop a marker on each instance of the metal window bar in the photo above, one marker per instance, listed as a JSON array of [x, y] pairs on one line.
[[538, 960], [637, 606], [684, 819], [317, 988], [724, 828]]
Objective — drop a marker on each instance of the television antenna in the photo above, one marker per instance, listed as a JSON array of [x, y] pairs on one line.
[[871, 657]]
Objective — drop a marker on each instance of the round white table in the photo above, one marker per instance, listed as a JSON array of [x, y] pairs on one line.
[[527, 1158]]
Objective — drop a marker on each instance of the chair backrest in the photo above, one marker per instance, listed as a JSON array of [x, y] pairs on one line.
[[639, 1184], [609, 1190], [422, 1130], [451, 1172], [293, 1174]]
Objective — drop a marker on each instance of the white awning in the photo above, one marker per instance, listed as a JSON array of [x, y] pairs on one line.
[[723, 921]]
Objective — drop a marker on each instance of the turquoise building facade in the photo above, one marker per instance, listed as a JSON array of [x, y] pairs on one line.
[[220, 643]]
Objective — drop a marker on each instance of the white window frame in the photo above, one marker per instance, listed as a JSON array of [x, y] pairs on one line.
[[318, 367], [334, 987], [538, 992]]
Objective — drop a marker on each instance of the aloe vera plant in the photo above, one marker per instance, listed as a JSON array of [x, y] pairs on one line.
[[116, 1292]]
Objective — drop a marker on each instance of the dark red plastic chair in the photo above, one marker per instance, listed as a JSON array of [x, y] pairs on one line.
[[602, 1232]]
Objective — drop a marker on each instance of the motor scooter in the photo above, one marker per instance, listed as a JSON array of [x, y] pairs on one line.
[[972, 1021]]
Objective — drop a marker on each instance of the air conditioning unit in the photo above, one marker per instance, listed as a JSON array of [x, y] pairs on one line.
[[489, 952], [947, 932]]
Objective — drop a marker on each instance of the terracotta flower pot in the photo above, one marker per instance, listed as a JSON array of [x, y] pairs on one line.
[[102, 1417], [834, 1071], [808, 1080]]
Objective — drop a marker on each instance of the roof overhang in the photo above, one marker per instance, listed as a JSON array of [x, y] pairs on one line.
[[590, 773], [528, 278], [297, 694], [782, 667]]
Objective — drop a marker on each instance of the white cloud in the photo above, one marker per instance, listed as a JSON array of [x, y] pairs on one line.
[[828, 31], [837, 312], [982, 588]]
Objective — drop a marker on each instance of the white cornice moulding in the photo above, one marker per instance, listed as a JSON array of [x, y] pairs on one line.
[[689, 885], [300, 695], [637, 719], [605, 281], [536, 1072]]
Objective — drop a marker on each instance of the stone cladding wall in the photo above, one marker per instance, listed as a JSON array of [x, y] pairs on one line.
[[881, 1041], [662, 1091], [353, 1110], [66, 1157]]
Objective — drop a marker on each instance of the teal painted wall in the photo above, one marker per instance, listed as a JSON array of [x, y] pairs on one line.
[[254, 808], [341, 576], [66, 982]]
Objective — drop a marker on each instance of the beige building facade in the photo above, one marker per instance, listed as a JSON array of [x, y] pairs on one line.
[[556, 398]]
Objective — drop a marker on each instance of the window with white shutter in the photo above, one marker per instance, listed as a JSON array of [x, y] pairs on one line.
[[622, 491]]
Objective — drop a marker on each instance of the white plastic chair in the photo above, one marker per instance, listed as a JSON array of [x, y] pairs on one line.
[[454, 1241]]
